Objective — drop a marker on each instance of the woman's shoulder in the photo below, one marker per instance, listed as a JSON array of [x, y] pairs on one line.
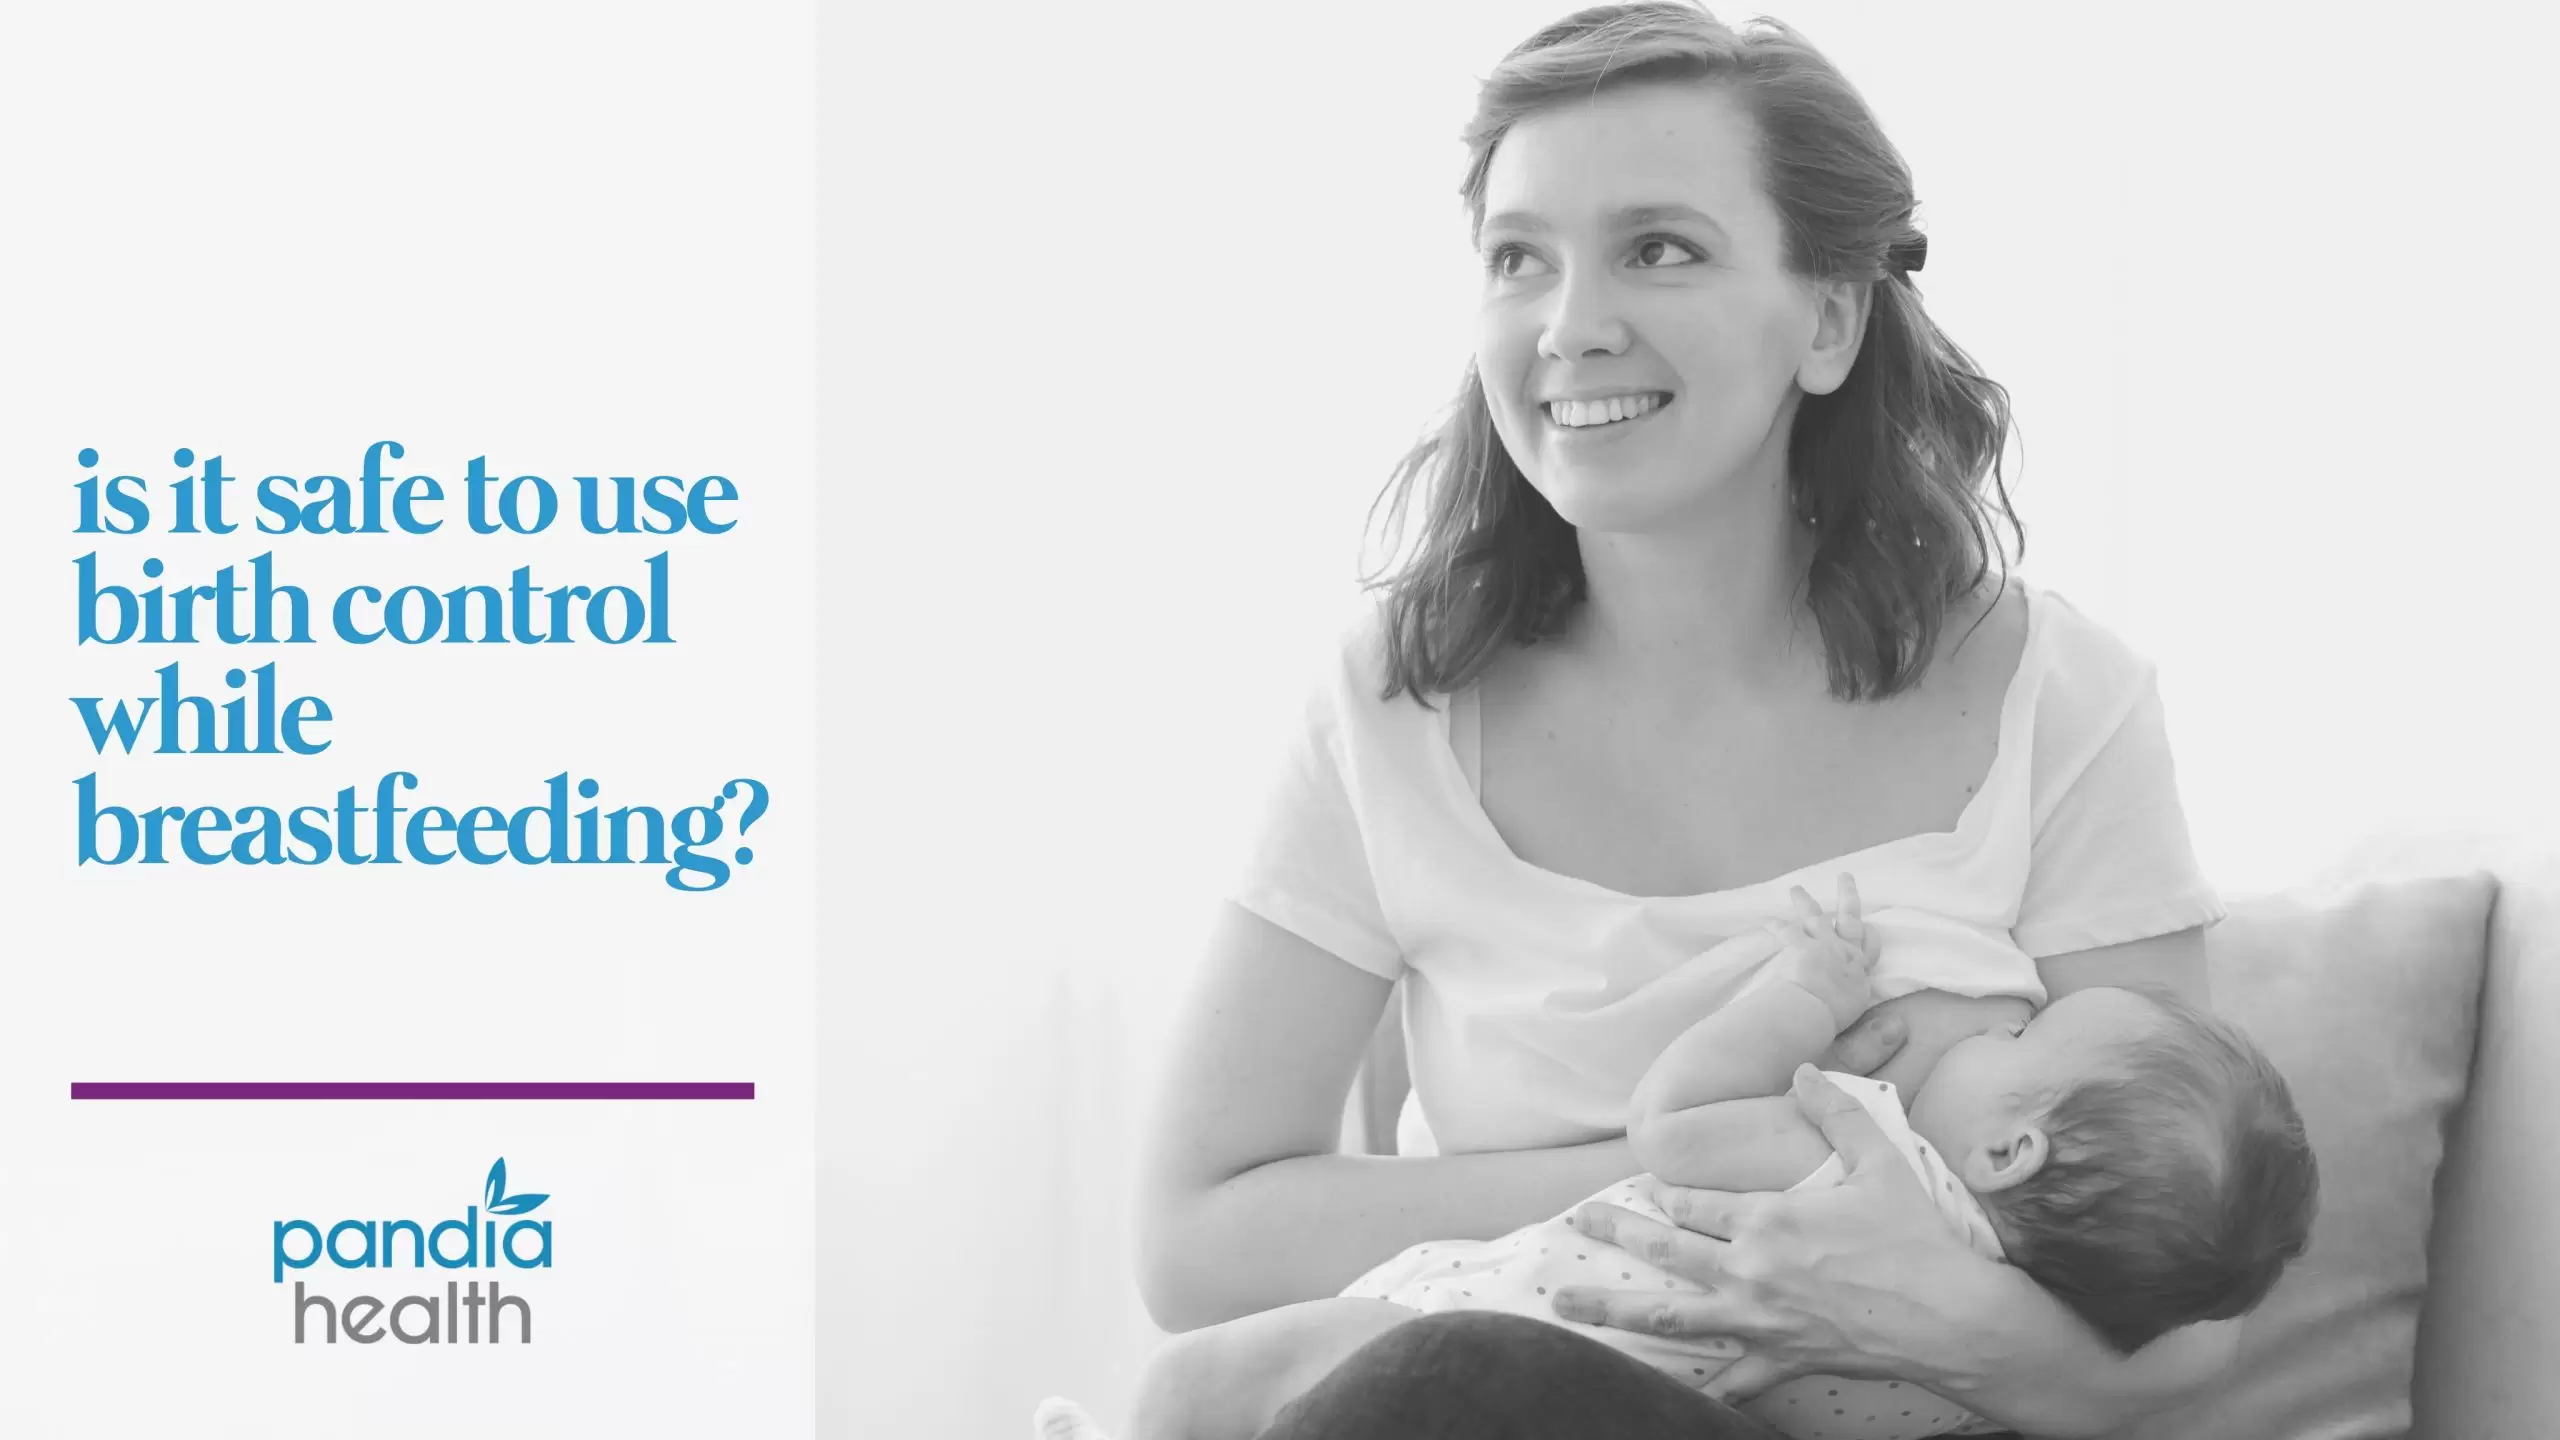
[[1348, 669], [1982, 642], [2081, 659], [2089, 680], [1346, 658]]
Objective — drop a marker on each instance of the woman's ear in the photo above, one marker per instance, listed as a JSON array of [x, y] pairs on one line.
[[2015, 1157], [1839, 329]]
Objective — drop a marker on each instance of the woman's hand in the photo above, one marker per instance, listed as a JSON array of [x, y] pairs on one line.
[[1837, 1281]]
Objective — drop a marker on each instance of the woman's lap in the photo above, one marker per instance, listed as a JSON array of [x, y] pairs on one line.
[[1503, 1377]]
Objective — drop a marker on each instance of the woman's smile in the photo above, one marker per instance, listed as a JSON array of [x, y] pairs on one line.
[[1641, 335], [1608, 415]]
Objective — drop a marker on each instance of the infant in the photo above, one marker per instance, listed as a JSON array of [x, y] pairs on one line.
[[2142, 1161]]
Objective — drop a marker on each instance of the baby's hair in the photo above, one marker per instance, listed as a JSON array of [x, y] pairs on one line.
[[2174, 1190]]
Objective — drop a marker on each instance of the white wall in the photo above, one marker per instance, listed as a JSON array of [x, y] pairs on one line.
[[1126, 312]]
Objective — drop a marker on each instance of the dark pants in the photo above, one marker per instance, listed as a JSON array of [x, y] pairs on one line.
[[1474, 1375]]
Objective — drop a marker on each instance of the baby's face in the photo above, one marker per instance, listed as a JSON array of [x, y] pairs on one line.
[[1986, 1083]]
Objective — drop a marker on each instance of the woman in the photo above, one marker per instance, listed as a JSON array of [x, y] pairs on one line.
[[1705, 605]]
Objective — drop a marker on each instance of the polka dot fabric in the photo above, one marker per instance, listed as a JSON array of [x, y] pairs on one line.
[[1520, 1273]]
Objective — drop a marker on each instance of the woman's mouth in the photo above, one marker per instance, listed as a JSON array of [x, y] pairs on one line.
[[1604, 413]]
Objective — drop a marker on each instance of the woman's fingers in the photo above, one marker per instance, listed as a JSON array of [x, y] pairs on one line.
[[1696, 1257], [1716, 1214], [1684, 1315], [1844, 1122], [1745, 1379], [1807, 912]]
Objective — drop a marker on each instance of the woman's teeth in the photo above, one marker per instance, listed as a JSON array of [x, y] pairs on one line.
[[1579, 414]]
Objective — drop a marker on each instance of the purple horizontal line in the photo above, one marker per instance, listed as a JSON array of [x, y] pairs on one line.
[[412, 1090]]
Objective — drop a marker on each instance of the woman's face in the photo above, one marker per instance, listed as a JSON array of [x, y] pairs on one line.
[[1642, 342]]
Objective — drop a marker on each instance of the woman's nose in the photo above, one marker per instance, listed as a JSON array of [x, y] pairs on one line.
[[1585, 319]]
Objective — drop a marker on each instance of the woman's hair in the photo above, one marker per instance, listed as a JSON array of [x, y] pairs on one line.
[[1888, 469]]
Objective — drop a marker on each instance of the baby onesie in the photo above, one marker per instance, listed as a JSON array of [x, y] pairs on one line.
[[1519, 1273]]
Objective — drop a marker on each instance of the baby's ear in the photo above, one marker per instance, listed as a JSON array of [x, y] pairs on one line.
[[2009, 1160]]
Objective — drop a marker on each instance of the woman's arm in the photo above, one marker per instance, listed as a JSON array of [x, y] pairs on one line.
[[1245, 1205], [2174, 961], [1866, 1279], [2038, 1368]]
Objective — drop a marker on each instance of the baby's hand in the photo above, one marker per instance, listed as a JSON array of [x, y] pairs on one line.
[[1831, 956]]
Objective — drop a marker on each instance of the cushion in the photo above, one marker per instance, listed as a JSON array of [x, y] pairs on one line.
[[2367, 999]]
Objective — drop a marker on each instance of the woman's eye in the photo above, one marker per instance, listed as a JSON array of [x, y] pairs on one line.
[[1656, 252], [1510, 262]]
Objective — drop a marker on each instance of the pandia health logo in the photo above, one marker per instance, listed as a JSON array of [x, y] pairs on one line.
[[464, 1314]]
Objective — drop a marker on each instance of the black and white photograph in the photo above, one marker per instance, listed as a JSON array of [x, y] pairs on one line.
[[1672, 721]]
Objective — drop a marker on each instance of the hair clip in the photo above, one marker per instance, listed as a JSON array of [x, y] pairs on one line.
[[1908, 255]]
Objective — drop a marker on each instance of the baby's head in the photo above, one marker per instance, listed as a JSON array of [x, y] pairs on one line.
[[2142, 1160]]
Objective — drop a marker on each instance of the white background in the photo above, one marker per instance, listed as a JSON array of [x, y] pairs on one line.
[[1149, 299], [573, 238]]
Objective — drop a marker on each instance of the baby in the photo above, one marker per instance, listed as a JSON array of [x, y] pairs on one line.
[[2141, 1160]]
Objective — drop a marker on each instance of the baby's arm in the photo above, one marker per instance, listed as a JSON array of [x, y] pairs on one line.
[[1712, 1111], [1763, 1143], [1752, 1046]]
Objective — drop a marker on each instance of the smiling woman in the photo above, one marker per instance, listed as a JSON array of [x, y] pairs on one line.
[[1708, 603], [1229, 288], [1576, 275], [1637, 249]]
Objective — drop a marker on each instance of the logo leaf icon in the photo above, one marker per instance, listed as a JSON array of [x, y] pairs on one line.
[[498, 1202]]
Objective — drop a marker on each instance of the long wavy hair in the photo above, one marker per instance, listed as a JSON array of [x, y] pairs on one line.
[[1889, 469]]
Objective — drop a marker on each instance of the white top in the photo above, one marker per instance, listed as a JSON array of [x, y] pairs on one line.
[[1534, 1001]]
